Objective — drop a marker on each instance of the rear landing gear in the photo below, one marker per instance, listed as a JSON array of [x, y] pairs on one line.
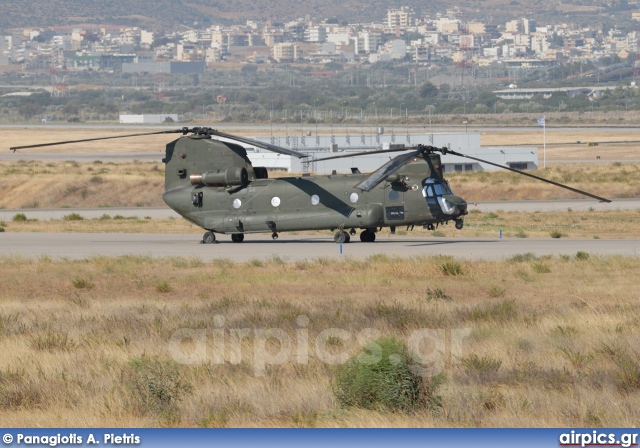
[[209, 238], [274, 235], [341, 237], [237, 237], [367, 236], [459, 224]]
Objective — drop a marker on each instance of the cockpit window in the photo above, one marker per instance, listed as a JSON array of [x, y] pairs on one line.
[[435, 187]]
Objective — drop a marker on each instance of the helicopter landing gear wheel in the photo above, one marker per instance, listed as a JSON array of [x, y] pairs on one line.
[[367, 236], [459, 224], [237, 237], [341, 237], [209, 238], [274, 236]]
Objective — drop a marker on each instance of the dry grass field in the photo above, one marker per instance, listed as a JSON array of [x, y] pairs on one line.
[[562, 143], [71, 184], [521, 342]]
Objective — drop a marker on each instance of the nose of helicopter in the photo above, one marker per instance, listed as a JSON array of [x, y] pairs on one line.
[[460, 204], [452, 205]]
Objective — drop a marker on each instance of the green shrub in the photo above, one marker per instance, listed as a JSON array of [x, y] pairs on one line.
[[82, 283], [163, 286], [581, 255], [19, 217], [452, 268], [481, 364], [156, 386], [541, 268], [437, 294], [380, 377], [519, 258], [556, 234], [496, 291], [73, 217]]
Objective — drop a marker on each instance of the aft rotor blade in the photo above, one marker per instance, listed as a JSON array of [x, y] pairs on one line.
[[363, 153], [566, 187], [267, 146], [393, 165], [15, 148]]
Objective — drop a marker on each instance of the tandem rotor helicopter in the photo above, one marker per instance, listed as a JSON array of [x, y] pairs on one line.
[[213, 184]]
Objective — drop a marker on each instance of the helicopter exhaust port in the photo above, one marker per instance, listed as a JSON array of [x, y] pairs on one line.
[[231, 177], [459, 224]]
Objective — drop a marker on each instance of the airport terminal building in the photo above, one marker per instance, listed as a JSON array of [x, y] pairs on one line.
[[318, 146]]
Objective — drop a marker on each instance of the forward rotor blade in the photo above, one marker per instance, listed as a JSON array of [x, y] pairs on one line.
[[375, 178], [15, 148], [267, 146], [566, 187]]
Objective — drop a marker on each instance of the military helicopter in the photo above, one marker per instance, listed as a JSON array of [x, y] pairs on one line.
[[213, 184]]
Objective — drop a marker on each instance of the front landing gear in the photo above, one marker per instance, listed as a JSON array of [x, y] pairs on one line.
[[459, 223], [341, 237], [208, 238]]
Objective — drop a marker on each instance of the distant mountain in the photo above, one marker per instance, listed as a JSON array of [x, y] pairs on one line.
[[163, 14], [168, 14]]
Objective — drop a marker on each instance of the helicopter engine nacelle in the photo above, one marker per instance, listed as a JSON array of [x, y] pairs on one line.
[[395, 177], [230, 177]]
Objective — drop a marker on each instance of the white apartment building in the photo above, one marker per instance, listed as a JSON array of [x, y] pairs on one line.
[[400, 18], [512, 26], [146, 37], [285, 51], [315, 34], [368, 42]]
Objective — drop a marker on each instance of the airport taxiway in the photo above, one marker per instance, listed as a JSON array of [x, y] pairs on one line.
[[295, 247]]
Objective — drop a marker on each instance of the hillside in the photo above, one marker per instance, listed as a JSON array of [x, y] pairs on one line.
[[167, 14]]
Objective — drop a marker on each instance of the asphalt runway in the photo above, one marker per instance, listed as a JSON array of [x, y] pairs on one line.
[[294, 247]]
